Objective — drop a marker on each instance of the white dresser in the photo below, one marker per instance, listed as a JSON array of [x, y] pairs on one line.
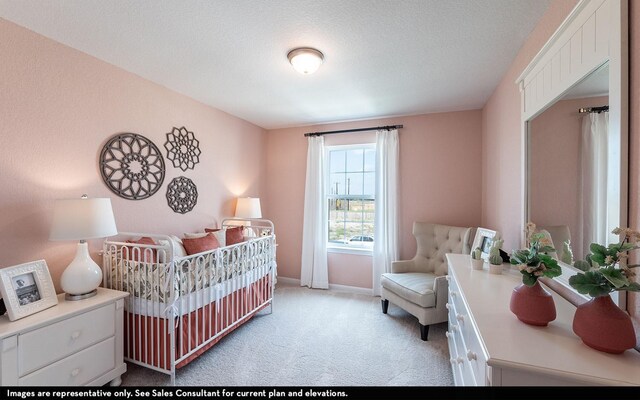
[[71, 344], [490, 346]]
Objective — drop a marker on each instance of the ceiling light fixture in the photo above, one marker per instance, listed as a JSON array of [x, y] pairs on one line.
[[305, 59]]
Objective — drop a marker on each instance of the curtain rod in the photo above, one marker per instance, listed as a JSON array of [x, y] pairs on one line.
[[593, 109], [375, 128]]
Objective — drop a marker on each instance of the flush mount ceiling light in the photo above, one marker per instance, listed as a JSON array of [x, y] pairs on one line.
[[305, 60]]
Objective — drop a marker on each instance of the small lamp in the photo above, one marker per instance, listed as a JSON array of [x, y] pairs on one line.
[[82, 219], [248, 207]]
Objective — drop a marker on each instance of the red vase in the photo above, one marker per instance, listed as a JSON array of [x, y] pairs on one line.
[[533, 305], [601, 324]]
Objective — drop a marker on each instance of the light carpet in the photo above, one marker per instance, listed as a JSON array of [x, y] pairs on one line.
[[317, 337]]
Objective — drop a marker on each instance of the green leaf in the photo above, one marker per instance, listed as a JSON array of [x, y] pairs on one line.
[[615, 276], [597, 249], [582, 265], [528, 279], [628, 247], [633, 287], [546, 249], [591, 283], [553, 269]]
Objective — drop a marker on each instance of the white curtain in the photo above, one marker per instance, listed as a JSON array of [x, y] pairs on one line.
[[385, 246], [593, 182], [314, 271]]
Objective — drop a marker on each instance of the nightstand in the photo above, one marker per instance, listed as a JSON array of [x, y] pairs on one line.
[[75, 343]]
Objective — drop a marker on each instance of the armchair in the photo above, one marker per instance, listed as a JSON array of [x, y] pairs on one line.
[[419, 285]]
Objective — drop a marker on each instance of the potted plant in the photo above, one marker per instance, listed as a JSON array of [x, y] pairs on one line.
[[599, 322], [530, 302], [476, 259], [495, 259]]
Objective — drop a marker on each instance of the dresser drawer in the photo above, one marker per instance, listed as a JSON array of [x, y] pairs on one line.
[[45, 345], [78, 369]]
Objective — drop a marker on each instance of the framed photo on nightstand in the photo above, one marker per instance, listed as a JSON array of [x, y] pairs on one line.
[[484, 238], [27, 288]]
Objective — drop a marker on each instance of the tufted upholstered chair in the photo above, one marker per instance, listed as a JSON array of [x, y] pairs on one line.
[[419, 285]]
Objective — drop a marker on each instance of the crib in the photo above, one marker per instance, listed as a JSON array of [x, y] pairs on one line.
[[178, 307]]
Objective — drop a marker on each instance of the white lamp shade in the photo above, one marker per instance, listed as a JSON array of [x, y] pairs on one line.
[[81, 219], [305, 60], [248, 207]]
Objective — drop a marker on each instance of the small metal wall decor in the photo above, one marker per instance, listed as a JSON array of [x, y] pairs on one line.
[[183, 149], [132, 166], [182, 195]]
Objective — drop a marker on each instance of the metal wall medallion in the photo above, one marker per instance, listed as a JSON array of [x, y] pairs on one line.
[[183, 149], [132, 166], [182, 195]]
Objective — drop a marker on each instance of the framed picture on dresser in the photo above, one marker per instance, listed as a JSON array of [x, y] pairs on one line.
[[484, 238], [27, 288]]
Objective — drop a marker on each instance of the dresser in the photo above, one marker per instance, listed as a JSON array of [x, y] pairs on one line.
[[74, 343], [489, 346]]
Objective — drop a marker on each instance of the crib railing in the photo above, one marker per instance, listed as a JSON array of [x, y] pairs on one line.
[[180, 306]]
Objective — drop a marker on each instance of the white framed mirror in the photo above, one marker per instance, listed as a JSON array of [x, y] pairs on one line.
[[575, 164]]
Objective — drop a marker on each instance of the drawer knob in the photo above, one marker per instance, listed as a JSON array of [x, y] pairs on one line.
[[75, 372], [447, 334], [448, 306], [75, 335], [459, 360], [460, 317], [471, 355]]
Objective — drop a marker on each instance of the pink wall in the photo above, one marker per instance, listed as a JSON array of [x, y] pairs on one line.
[[554, 167], [440, 182], [59, 106], [501, 136]]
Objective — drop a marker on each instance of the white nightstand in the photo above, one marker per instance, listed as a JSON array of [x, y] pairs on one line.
[[72, 344]]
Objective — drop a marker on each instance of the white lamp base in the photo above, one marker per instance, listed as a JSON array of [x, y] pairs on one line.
[[81, 278]]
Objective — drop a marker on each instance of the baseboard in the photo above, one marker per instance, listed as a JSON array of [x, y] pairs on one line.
[[289, 281], [332, 286], [350, 289]]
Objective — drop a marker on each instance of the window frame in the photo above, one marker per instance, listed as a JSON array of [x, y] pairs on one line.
[[360, 247]]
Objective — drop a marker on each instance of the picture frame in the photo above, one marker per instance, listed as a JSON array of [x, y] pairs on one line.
[[483, 239], [27, 288]]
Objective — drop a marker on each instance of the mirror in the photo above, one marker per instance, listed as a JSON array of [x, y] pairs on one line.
[[574, 183], [571, 188]]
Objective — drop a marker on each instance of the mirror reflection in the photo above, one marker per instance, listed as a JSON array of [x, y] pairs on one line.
[[573, 178]]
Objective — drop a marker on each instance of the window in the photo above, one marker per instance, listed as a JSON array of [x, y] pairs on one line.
[[351, 196]]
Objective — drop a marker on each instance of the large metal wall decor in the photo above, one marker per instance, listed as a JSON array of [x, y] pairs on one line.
[[132, 166], [183, 149], [182, 194]]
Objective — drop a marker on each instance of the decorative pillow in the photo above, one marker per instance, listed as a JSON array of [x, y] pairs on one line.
[[219, 234], [234, 235], [201, 244], [176, 246], [145, 254], [195, 235]]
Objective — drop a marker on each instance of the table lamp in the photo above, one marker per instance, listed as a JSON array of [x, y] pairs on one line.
[[82, 219], [248, 207]]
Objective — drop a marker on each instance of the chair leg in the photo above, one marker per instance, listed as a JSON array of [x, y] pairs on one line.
[[385, 305], [424, 332]]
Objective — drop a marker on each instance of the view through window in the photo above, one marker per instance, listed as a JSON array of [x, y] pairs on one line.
[[351, 195]]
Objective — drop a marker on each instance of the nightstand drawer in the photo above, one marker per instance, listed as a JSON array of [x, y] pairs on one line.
[[45, 345], [78, 369]]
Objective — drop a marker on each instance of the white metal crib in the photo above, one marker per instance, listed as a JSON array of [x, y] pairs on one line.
[[178, 307]]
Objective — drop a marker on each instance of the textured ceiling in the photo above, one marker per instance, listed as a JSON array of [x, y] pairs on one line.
[[382, 58]]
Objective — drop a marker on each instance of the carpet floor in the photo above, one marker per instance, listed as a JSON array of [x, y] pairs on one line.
[[317, 337]]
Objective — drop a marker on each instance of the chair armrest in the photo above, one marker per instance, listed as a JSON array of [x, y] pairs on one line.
[[441, 290], [440, 283], [402, 266]]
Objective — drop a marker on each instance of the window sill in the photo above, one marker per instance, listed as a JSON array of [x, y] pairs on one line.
[[361, 251]]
